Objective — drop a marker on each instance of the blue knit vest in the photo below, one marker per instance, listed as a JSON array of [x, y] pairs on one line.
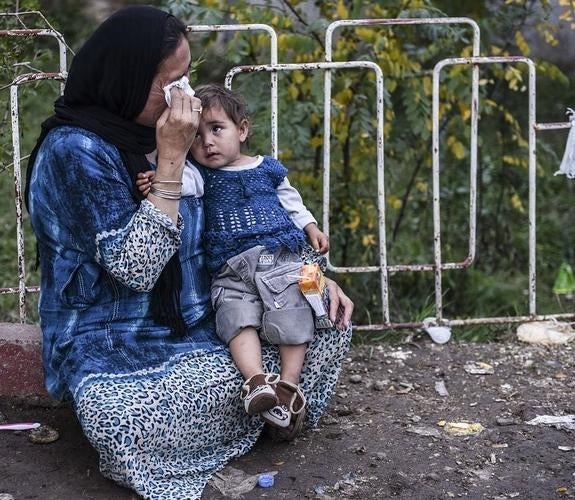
[[242, 210]]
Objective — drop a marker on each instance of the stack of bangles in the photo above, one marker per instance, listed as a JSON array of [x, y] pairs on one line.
[[165, 193]]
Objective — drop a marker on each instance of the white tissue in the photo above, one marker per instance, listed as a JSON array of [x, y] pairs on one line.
[[568, 163], [183, 83]]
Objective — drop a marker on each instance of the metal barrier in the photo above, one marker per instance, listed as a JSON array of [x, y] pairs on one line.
[[438, 266], [21, 289]]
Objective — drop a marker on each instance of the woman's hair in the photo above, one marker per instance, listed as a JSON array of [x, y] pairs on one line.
[[231, 102]]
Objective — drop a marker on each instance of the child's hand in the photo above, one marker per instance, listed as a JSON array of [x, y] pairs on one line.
[[144, 181], [318, 240]]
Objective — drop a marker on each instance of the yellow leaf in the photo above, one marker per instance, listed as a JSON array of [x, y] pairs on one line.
[[283, 41], [509, 117], [293, 91], [550, 38], [353, 224], [421, 186], [367, 34], [522, 43], [341, 10], [344, 96], [457, 149], [510, 160], [298, 76], [516, 203], [394, 202], [368, 240], [316, 141], [427, 84]]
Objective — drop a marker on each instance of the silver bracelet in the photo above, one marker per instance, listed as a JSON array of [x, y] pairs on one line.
[[165, 194], [168, 182]]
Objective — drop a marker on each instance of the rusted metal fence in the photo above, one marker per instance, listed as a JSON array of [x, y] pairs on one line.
[[22, 289], [327, 67]]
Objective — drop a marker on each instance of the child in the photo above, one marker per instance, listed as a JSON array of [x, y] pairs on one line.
[[253, 238]]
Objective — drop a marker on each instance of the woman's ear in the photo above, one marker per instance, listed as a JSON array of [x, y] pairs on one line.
[[244, 129]]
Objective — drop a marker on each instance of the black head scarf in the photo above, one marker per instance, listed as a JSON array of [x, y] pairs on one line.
[[107, 88]]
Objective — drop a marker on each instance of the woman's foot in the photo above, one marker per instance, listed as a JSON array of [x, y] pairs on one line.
[[287, 417], [258, 393]]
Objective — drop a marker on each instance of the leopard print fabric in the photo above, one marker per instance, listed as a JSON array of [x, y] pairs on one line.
[[126, 251], [163, 432]]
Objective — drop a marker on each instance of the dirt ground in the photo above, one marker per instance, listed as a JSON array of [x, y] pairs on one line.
[[390, 432]]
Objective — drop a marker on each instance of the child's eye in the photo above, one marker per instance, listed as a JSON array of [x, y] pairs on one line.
[[217, 129]]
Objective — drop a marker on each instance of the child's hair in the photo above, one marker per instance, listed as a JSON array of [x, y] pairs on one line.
[[234, 105]]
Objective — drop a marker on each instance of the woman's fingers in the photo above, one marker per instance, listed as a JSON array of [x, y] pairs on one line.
[[176, 128], [340, 304]]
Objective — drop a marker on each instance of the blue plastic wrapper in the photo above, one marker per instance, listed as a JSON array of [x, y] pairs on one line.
[[265, 480]]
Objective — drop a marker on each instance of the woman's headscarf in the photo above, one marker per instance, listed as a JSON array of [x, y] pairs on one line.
[[107, 88]]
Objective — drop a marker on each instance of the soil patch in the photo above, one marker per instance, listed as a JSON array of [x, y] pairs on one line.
[[416, 420]]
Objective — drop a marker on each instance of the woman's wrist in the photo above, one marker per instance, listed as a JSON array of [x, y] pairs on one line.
[[169, 172], [167, 190]]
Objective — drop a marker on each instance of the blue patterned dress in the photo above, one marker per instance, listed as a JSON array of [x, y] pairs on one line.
[[163, 413]]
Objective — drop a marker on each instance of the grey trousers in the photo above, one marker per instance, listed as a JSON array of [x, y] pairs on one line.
[[260, 289]]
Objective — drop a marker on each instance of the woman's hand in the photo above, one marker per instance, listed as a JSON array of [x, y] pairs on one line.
[[340, 305], [176, 129]]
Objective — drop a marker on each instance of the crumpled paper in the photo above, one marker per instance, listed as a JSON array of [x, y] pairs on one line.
[[233, 483]]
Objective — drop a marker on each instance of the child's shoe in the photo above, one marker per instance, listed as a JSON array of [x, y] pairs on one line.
[[258, 393], [289, 414]]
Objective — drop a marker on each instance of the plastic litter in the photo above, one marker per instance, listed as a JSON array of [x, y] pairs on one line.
[[439, 334], [461, 428], [567, 166], [424, 430], [265, 480], [440, 388], [545, 332], [565, 422], [478, 368], [19, 426]]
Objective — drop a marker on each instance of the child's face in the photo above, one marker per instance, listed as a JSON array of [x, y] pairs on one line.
[[218, 139]]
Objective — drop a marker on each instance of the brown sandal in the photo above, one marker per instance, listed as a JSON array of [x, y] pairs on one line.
[[258, 393], [286, 419]]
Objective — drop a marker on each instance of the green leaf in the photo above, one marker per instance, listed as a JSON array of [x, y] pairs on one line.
[[565, 280]]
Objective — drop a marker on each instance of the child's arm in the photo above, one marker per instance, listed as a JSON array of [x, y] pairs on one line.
[[292, 202], [144, 181]]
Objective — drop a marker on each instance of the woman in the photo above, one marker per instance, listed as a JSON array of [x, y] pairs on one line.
[[125, 308]]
